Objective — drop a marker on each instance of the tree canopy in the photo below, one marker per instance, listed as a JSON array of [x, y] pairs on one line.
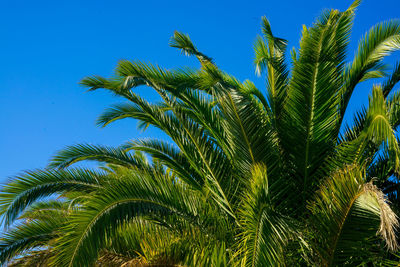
[[271, 177]]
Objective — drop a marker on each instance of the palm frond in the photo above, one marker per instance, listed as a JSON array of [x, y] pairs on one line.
[[111, 155], [183, 42], [380, 41], [265, 231], [373, 129], [270, 57], [310, 125], [171, 157], [132, 196], [378, 126], [34, 234], [25, 189], [392, 80], [42, 210], [347, 214]]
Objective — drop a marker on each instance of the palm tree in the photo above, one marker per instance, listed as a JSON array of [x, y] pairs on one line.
[[249, 179]]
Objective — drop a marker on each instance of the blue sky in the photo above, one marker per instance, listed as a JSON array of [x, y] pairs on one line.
[[48, 46]]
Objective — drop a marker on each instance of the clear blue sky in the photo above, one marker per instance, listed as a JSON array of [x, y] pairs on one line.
[[48, 46]]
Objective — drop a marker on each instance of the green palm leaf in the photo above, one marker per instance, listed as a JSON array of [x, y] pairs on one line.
[[265, 231], [310, 123], [380, 41], [134, 196], [118, 156], [24, 190], [347, 213]]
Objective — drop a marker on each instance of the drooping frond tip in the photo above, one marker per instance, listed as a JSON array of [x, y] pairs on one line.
[[278, 43], [354, 6], [266, 26], [349, 211], [94, 82], [388, 219], [269, 50], [182, 41]]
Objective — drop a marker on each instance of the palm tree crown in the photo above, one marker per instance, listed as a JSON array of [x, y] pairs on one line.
[[251, 178]]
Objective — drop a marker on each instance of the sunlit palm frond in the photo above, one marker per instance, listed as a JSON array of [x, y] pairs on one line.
[[29, 235], [347, 214], [380, 41], [270, 57], [310, 121], [42, 210], [183, 42], [25, 189], [171, 157], [378, 125], [136, 195], [265, 232], [111, 155]]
